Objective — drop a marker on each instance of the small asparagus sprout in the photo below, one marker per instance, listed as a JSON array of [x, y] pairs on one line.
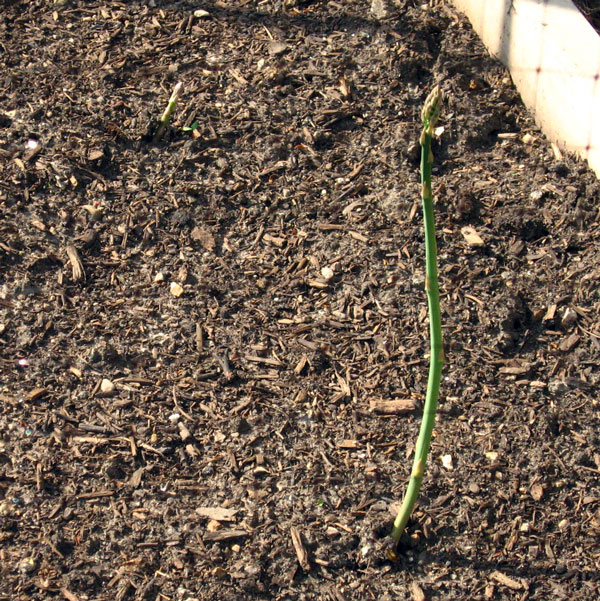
[[166, 116], [429, 116]]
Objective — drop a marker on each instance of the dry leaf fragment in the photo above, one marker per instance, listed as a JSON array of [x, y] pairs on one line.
[[471, 236]]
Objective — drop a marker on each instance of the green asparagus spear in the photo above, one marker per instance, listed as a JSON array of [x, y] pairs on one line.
[[166, 116], [429, 116]]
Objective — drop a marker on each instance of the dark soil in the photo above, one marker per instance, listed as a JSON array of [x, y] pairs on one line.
[[227, 443]]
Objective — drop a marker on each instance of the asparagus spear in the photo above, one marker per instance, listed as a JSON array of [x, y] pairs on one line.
[[429, 116], [166, 116]]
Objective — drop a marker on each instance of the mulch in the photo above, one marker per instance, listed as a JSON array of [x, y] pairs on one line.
[[215, 345]]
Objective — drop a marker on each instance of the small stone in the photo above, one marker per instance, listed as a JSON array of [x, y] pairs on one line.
[[176, 289], [213, 526], [28, 565], [447, 462], [159, 277], [114, 470], [5, 509], [473, 488], [380, 8], [201, 14], [95, 155], [332, 532], [219, 572], [537, 492], [276, 48], [106, 387], [327, 273], [558, 387], [568, 319]]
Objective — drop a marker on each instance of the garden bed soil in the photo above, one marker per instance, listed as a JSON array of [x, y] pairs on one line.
[[215, 346]]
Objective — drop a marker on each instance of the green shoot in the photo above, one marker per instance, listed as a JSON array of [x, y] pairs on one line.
[[166, 116], [193, 127], [429, 116]]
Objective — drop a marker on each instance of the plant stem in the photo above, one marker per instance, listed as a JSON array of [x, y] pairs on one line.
[[166, 116], [429, 116]]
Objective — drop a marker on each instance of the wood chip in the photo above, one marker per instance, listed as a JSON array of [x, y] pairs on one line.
[[219, 514], [36, 394], [76, 265], [358, 236], [349, 443], [515, 370], [393, 407], [264, 360], [417, 592], [40, 225], [550, 313], [301, 552], [506, 581], [568, 343], [471, 236], [95, 155], [136, 477], [224, 535], [68, 595], [276, 240]]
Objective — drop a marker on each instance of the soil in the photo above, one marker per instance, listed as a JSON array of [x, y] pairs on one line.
[[215, 345]]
